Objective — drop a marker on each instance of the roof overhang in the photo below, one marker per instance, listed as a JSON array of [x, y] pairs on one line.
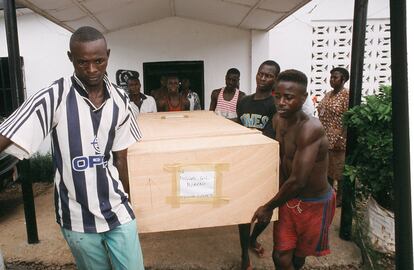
[[110, 15]]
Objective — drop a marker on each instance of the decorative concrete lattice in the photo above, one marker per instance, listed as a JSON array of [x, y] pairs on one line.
[[331, 47]]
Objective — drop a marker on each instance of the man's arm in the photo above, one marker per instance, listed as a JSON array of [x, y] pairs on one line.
[[186, 103], [4, 143], [308, 143], [214, 97], [241, 95], [121, 163]]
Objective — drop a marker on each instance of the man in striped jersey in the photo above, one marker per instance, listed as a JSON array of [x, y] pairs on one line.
[[92, 126], [224, 100], [305, 199]]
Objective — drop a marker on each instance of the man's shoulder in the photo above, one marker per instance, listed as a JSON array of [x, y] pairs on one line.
[[216, 91], [241, 93], [119, 94], [246, 98], [311, 127], [150, 98], [194, 94], [57, 87]]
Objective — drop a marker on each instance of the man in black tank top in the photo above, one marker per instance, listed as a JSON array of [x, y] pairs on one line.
[[256, 111]]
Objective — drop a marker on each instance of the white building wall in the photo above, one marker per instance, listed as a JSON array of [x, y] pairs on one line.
[[43, 46], [291, 40], [178, 39], [259, 54]]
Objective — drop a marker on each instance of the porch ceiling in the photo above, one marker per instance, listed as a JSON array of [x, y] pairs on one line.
[[112, 15]]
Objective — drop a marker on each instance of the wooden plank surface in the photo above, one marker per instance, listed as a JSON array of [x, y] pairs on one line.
[[173, 125], [249, 180]]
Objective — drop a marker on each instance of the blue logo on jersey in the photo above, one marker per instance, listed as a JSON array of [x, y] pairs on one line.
[[82, 163], [254, 120], [95, 145]]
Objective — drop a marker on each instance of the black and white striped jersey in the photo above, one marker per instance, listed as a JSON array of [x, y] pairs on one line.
[[89, 197]]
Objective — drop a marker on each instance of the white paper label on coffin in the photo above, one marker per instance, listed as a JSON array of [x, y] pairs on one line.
[[197, 184]]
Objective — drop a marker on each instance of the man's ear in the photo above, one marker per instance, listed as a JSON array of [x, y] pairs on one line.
[[305, 96], [108, 52], [70, 56]]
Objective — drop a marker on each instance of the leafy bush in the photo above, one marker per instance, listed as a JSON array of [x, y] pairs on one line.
[[371, 161], [41, 168]]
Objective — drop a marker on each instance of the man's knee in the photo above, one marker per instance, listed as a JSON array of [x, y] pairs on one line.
[[282, 259]]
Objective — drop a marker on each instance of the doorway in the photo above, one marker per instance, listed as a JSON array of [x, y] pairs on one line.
[[193, 70]]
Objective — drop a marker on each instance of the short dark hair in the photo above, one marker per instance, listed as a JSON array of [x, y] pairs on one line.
[[271, 63], [293, 75], [343, 71], [233, 71], [172, 76], [133, 78], [85, 34]]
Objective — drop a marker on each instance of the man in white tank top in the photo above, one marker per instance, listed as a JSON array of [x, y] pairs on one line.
[[224, 100]]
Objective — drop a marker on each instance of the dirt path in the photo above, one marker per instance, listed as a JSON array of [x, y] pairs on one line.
[[201, 249]]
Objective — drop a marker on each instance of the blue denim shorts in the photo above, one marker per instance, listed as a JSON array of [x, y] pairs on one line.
[[117, 249]]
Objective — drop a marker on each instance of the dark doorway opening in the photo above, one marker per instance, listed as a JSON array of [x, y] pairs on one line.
[[6, 104], [192, 70]]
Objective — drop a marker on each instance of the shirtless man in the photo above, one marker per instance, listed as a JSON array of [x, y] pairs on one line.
[[173, 101], [161, 92], [306, 201], [224, 100]]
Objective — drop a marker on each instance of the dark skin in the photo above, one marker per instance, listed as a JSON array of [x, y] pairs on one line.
[[4, 143], [265, 81], [232, 83], [173, 97], [90, 60], [337, 81], [134, 88], [161, 92], [185, 87], [304, 160], [121, 163]]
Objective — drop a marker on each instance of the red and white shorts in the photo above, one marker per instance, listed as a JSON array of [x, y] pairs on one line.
[[303, 225]]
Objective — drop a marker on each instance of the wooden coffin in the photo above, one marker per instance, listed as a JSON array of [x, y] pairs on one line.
[[197, 169]]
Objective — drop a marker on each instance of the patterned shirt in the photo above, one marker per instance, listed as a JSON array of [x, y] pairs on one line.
[[330, 110], [89, 196], [194, 101]]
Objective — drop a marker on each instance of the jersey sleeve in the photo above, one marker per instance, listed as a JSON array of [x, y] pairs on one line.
[[29, 125], [127, 133]]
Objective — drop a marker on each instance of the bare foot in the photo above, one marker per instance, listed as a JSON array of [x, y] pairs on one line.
[[258, 249]]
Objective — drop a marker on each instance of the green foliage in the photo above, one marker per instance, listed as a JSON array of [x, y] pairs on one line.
[[41, 168], [371, 161]]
